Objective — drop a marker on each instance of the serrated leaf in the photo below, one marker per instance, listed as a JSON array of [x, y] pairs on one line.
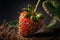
[[54, 8], [50, 6], [27, 15], [57, 8]]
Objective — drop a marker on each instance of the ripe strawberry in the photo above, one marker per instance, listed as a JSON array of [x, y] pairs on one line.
[[22, 15], [27, 27], [29, 22]]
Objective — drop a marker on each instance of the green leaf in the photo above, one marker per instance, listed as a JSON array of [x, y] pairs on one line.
[[54, 7], [54, 3], [29, 8], [51, 25], [57, 12], [27, 15], [13, 24], [50, 6]]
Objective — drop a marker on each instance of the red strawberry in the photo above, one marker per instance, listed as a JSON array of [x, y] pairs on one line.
[[22, 15], [29, 23], [27, 27]]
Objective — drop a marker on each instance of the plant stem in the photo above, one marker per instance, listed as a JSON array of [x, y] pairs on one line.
[[36, 6]]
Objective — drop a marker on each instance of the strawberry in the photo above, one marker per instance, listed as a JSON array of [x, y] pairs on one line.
[[29, 22], [22, 15], [27, 26]]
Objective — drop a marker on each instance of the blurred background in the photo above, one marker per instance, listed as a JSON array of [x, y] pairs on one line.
[[10, 10]]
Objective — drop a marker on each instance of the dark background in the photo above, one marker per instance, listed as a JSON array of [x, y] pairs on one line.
[[9, 9]]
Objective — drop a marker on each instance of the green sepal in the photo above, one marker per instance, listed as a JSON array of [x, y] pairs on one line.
[[26, 9], [32, 18], [27, 15], [39, 16], [37, 20], [29, 8]]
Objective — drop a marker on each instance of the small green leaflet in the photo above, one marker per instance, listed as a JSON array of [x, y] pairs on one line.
[[13, 24]]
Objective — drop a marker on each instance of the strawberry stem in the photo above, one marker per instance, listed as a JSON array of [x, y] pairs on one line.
[[36, 6]]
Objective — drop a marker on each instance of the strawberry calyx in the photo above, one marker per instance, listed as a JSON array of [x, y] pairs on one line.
[[33, 18], [27, 15], [32, 15], [29, 9], [39, 16]]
